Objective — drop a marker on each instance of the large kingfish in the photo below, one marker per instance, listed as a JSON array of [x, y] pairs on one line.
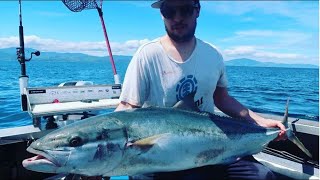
[[147, 140]]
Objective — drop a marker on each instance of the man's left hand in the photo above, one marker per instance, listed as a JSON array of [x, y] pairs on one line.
[[276, 124]]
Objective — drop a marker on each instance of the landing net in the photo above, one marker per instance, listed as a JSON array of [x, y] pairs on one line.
[[79, 5]]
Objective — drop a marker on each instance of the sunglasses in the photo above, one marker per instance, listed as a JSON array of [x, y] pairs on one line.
[[185, 11]]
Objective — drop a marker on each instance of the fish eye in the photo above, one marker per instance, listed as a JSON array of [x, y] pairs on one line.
[[75, 141]]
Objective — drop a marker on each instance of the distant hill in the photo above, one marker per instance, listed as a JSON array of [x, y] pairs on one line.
[[9, 54], [254, 63]]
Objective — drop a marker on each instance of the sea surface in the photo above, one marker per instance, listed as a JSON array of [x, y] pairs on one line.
[[263, 90]]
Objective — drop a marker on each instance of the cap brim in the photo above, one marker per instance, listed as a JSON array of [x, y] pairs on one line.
[[157, 4]]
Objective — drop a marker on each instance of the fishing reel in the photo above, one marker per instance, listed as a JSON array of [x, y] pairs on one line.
[[21, 57]]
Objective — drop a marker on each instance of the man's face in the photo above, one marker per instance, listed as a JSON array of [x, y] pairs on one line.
[[180, 19]]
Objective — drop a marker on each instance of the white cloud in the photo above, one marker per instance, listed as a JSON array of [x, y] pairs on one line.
[[296, 44], [288, 35], [243, 7], [247, 19], [272, 55], [259, 33], [270, 45], [277, 39], [240, 51], [258, 53], [91, 48], [11, 41], [266, 52]]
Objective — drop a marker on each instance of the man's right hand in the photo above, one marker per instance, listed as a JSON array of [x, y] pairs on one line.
[[124, 106]]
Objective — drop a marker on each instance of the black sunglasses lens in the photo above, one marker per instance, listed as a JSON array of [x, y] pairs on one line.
[[170, 12], [186, 11]]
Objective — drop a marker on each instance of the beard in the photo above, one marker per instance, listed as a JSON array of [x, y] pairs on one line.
[[184, 38]]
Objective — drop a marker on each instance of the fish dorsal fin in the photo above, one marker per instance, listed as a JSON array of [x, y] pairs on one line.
[[187, 103], [149, 142]]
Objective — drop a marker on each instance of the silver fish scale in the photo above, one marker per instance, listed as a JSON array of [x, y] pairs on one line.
[[146, 122]]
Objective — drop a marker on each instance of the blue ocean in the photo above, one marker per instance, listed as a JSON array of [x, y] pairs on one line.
[[263, 90]]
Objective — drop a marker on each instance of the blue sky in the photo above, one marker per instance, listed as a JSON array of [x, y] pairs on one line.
[[273, 31]]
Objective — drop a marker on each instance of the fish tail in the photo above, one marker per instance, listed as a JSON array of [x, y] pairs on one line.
[[290, 134]]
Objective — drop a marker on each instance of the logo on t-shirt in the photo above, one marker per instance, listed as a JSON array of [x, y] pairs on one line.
[[186, 86]]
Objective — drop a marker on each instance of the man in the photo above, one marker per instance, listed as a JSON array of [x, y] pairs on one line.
[[167, 69]]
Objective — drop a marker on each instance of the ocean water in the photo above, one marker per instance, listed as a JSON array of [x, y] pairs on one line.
[[263, 90]]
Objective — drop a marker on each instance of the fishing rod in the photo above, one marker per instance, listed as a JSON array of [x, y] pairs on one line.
[[23, 79], [77, 6]]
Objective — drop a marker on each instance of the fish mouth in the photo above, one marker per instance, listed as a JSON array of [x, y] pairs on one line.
[[41, 159]]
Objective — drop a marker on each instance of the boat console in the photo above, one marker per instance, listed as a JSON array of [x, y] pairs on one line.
[[66, 100]]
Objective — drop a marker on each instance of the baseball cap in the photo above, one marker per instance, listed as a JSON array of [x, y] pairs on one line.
[[159, 3]]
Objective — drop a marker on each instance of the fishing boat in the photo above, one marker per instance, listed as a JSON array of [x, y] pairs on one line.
[[54, 107]]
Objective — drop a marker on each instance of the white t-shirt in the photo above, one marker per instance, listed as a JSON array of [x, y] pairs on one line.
[[153, 78]]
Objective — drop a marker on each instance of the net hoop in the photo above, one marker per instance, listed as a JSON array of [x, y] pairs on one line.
[[79, 5]]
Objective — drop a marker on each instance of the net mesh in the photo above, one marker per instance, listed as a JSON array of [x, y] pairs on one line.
[[79, 5]]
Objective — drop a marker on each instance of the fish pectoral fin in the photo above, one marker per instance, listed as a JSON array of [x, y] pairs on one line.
[[149, 142]]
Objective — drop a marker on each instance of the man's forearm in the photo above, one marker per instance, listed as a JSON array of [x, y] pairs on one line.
[[234, 108]]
